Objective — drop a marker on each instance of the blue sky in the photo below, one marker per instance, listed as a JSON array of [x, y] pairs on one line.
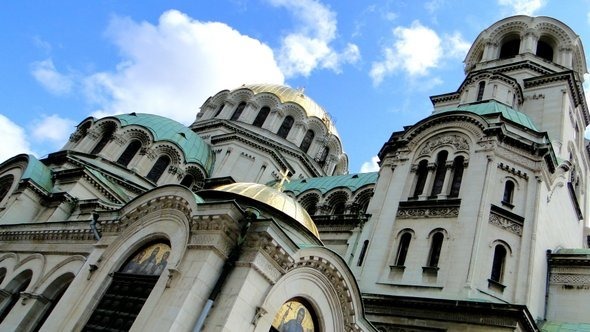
[[371, 64]]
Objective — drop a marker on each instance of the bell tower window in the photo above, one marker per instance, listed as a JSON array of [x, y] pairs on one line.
[[544, 50], [480, 90], [158, 169], [129, 153], [510, 48], [286, 127], [261, 117], [238, 111], [402, 250], [307, 139], [421, 174]]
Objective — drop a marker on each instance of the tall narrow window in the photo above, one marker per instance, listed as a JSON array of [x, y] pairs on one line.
[[362, 254], [5, 184], [158, 169], [435, 248], [402, 249], [458, 166], [129, 153], [324, 156], [480, 90], [441, 170], [53, 294], [261, 117], [106, 137], [510, 48], [286, 127], [238, 111], [219, 110], [307, 139], [498, 263], [129, 289], [14, 288], [508, 192], [187, 180], [421, 174], [544, 50]]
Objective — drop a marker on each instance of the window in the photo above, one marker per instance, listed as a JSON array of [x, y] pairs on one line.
[[544, 50], [286, 127], [53, 294], [435, 248], [158, 169], [14, 288], [129, 289], [187, 181], [307, 139], [295, 315], [480, 90], [508, 192], [310, 203], [106, 137], [363, 252], [510, 48], [130, 152], [458, 166], [219, 110], [261, 117], [441, 170], [324, 156], [238, 111], [402, 250], [5, 184], [498, 263], [338, 208], [421, 174]]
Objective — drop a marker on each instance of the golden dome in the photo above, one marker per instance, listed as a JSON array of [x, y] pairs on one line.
[[275, 199], [287, 94]]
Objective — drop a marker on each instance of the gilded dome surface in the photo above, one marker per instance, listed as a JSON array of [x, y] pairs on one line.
[[287, 94], [275, 199]]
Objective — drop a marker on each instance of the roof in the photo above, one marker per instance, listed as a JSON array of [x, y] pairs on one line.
[[550, 326], [575, 251], [287, 94], [490, 107], [38, 173], [327, 183], [194, 148]]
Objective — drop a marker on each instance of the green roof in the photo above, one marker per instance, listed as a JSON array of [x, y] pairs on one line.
[[327, 183], [575, 251], [493, 107], [38, 173], [195, 149], [114, 188], [564, 327]]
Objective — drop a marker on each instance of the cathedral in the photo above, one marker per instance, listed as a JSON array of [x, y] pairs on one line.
[[248, 219]]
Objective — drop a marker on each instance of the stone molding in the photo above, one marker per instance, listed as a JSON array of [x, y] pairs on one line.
[[570, 279], [428, 212]]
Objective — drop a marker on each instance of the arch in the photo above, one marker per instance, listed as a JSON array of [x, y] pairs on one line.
[[236, 115], [337, 202], [53, 293], [261, 117], [108, 130], [307, 139], [362, 199], [405, 238], [296, 314], [508, 195], [219, 109], [6, 182], [17, 285], [129, 152], [158, 168], [310, 203], [440, 172], [510, 46], [286, 126], [545, 47], [458, 168], [421, 174], [436, 243], [2, 274], [498, 263]]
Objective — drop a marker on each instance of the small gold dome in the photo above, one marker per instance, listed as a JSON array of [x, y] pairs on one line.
[[275, 199]]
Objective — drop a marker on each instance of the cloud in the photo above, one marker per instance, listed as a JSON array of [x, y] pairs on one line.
[[309, 47], [172, 67], [416, 50], [14, 140], [525, 7], [370, 166], [52, 128], [434, 5], [46, 74]]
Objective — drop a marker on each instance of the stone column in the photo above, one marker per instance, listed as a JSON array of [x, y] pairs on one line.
[[447, 181], [429, 182]]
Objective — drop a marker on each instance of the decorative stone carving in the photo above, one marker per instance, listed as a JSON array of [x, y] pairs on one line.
[[513, 171], [458, 142], [429, 212], [570, 279], [506, 224]]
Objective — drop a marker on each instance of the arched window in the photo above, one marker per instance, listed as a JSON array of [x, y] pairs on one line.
[[402, 249], [219, 110], [130, 152], [498, 263], [435, 248], [129, 289], [53, 294], [307, 139], [310, 203], [2, 274], [295, 315], [544, 50], [510, 48], [14, 288], [363, 252], [421, 174], [187, 180], [286, 127], [480, 90], [324, 156], [338, 208], [106, 137], [158, 169], [261, 117], [458, 167], [441, 170], [5, 184], [238, 111], [508, 192]]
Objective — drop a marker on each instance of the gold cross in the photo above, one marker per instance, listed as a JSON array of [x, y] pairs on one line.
[[284, 177]]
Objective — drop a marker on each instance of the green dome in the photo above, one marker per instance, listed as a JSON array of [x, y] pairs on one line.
[[493, 107], [194, 148]]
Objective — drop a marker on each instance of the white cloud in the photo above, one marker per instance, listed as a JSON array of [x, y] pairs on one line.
[[309, 47], [434, 5], [46, 74], [524, 7], [172, 67], [416, 50], [52, 128], [14, 140], [370, 166]]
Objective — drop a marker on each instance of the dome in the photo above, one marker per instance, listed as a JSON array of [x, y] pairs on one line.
[[194, 148], [275, 199], [287, 94]]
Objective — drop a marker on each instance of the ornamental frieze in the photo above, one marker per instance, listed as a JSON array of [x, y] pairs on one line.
[[506, 224], [570, 279], [428, 212], [458, 142]]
